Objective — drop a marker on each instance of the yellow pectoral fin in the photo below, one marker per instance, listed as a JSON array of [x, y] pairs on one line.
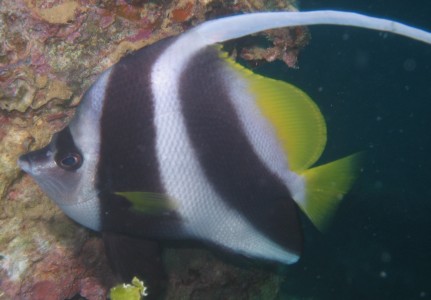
[[296, 119], [326, 186], [149, 203]]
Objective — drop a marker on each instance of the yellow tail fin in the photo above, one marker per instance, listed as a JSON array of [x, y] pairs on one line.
[[326, 185]]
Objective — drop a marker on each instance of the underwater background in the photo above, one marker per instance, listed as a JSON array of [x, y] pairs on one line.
[[375, 92]]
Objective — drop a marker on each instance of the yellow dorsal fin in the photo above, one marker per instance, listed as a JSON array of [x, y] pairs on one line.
[[297, 121]]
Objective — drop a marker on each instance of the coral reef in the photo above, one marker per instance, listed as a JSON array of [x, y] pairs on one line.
[[50, 53]]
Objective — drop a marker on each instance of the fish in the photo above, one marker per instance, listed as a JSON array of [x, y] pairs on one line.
[[177, 141]]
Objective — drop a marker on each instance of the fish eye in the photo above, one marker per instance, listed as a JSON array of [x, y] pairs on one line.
[[71, 161]]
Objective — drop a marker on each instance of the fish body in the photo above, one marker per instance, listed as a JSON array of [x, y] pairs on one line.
[[177, 141], [202, 143]]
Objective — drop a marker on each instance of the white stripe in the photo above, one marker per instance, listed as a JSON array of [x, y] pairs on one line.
[[229, 28], [205, 214], [83, 206]]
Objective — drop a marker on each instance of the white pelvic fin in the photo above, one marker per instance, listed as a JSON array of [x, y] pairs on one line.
[[229, 28]]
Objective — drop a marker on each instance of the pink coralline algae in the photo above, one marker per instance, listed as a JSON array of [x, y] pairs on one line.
[[50, 53]]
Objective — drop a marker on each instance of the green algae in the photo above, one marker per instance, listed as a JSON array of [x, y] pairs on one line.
[[135, 291]]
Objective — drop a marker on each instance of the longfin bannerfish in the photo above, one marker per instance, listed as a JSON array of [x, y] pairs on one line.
[[178, 141]]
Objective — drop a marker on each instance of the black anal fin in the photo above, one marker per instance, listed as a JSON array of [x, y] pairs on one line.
[[130, 257]]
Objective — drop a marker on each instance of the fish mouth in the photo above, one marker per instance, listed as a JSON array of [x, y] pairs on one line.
[[25, 164]]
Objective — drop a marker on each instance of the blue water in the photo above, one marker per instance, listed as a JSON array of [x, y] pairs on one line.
[[375, 93]]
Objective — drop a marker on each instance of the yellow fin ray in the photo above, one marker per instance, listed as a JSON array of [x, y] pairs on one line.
[[326, 186]]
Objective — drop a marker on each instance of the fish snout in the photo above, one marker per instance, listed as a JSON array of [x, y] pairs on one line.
[[24, 163], [36, 161]]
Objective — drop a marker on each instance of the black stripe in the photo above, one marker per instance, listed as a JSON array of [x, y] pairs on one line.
[[128, 160], [227, 157]]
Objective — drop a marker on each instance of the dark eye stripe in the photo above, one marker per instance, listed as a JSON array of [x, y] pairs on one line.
[[68, 156]]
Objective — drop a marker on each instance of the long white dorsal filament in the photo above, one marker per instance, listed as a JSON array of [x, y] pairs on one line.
[[228, 28]]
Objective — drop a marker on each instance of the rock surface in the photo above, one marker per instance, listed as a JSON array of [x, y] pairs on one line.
[[50, 53]]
